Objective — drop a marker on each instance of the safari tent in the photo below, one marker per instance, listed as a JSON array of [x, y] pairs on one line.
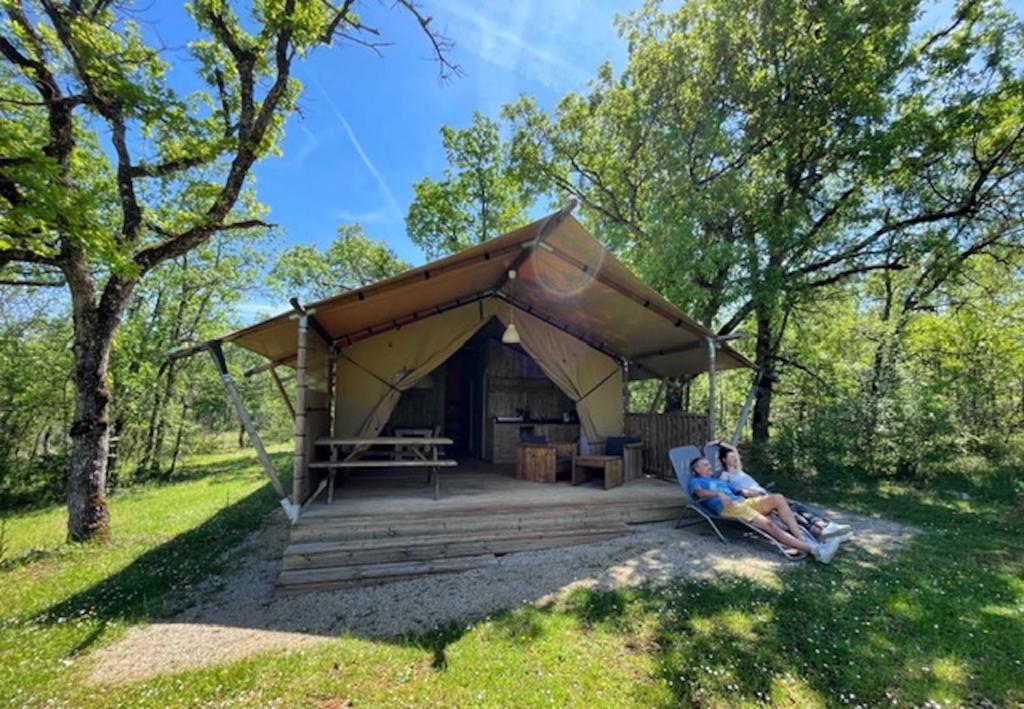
[[545, 311]]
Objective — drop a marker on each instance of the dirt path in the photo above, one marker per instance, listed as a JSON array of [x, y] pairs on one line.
[[239, 614]]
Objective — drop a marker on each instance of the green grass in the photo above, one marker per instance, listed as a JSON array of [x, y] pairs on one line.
[[941, 620]]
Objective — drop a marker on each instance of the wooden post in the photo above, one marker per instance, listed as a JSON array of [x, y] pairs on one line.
[[625, 389], [332, 362], [291, 509], [712, 346], [299, 479], [282, 391], [745, 412]]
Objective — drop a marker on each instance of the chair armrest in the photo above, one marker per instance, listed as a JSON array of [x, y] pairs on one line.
[[633, 446]]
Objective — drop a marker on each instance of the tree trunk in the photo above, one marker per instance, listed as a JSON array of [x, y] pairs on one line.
[[88, 518], [177, 438], [673, 395], [161, 427], [765, 388]]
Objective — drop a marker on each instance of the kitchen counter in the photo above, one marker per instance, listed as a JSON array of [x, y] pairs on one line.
[[502, 437]]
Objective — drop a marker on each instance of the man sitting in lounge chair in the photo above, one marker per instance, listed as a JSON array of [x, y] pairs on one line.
[[743, 484], [723, 501]]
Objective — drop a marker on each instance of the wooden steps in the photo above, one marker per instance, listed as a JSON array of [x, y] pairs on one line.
[[507, 518], [368, 538], [332, 577], [408, 548]]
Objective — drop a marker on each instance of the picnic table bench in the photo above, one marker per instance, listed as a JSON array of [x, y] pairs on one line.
[[425, 449]]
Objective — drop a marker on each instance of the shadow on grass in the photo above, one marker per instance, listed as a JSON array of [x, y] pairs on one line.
[[929, 623], [940, 619], [155, 585]]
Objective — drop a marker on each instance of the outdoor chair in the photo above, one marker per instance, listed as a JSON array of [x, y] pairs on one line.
[[681, 458], [540, 461], [711, 453], [629, 448]]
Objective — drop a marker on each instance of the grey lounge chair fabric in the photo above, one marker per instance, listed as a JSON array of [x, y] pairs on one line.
[[681, 458]]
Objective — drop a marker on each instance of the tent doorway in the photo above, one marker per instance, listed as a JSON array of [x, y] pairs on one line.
[[486, 397]]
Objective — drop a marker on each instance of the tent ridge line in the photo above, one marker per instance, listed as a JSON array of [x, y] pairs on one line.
[[623, 290], [552, 221]]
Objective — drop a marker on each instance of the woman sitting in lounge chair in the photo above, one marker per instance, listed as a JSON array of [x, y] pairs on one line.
[[745, 485], [722, 501]]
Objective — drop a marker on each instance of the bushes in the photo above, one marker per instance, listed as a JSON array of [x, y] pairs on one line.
[[39, 481]]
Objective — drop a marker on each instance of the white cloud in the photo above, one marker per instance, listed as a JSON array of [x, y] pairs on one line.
[[375, 216], [557, 44], [251, 311]]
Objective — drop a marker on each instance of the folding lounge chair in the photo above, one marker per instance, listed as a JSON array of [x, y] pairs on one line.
[[681, 458], [711, 453]]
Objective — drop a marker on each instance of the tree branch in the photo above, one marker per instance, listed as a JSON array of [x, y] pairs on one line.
[[13, 255], [169, 167], [442, 45], [31, 283]]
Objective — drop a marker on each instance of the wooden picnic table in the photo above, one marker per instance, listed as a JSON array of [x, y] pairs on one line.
[[346, 453]]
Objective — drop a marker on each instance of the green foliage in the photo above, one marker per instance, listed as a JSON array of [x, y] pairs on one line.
[[480, 196], [351, 261], [953, 388], [750, 156]]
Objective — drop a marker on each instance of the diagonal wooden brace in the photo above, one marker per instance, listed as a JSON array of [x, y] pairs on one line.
[[290, 508]]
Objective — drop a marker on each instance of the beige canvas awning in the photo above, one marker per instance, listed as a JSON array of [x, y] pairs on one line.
[[566, 279]]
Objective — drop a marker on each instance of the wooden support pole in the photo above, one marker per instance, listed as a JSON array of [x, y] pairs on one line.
[[712, 351], [284, 393], [745, 412], [299, 479], [625, 387], [290, 508]]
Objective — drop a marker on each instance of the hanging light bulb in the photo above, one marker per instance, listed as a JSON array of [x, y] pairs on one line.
[[511, 335]]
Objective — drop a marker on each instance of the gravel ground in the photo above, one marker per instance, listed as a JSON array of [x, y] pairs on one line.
[[239, 614]]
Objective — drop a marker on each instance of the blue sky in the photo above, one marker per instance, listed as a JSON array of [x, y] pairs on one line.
[[368, 127]]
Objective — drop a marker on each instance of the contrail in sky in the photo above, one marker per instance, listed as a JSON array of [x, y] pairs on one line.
[[359, 149]]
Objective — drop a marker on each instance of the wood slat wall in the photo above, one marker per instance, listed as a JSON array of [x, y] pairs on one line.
[[662, 432]]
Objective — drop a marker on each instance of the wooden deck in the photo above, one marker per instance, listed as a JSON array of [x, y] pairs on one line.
[[386, 526]]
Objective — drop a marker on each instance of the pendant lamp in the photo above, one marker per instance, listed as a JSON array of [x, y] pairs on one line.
[[511, 335]]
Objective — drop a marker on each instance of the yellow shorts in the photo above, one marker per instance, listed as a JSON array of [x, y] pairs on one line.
[[745, 510]]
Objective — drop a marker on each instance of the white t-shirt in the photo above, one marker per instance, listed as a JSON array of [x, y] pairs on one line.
[[738, 480]]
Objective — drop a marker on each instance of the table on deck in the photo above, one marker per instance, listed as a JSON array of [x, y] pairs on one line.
[[346, 453], [404, 452], [610, 465]]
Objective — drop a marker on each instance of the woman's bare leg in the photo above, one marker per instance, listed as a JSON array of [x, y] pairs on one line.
[[778, 503]]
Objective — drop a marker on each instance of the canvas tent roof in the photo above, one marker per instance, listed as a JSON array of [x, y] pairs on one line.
[[565, 277]]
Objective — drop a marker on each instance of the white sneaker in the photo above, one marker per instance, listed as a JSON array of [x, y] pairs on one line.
[[825, 551], [834, 529]]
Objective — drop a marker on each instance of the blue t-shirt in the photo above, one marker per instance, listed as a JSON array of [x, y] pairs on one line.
[[714, 485]]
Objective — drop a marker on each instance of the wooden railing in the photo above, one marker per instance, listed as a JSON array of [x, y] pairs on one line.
[[662, 432]]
